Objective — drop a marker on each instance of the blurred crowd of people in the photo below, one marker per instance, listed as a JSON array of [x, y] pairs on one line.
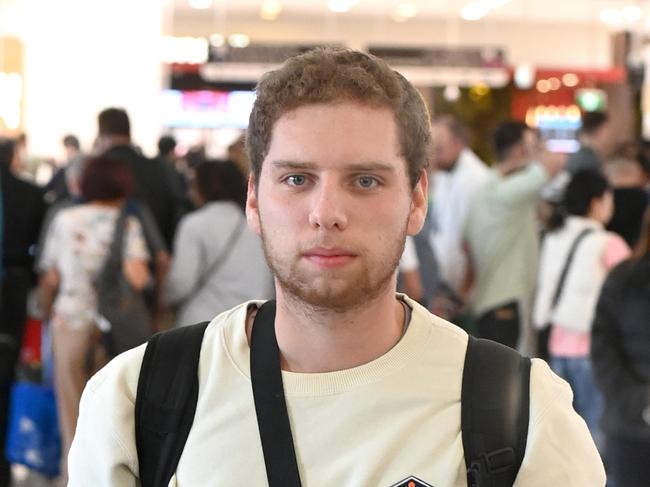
[[186, 249], [550, 254], [544, 254]]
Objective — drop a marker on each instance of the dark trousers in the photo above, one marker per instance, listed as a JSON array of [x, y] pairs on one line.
[[501, 324], [628, 462], [13, 313]]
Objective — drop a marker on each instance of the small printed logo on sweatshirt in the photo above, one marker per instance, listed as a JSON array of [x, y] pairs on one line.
[[412, 482]]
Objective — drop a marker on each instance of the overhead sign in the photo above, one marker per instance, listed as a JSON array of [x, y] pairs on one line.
[[463, 67], [471, 57]]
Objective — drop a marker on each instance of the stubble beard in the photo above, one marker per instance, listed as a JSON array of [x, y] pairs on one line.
[[336, 290]]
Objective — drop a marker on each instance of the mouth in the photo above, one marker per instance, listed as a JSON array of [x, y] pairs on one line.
[[329, 258]]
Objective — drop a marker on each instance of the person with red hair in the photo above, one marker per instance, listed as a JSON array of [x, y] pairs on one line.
[[76, 246]]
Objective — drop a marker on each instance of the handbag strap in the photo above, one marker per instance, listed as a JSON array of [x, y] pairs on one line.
[[218, 262], [115, 250], [567, 265], [270, 404]]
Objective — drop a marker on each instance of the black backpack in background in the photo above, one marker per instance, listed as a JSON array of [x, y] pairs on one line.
[[494, 408]]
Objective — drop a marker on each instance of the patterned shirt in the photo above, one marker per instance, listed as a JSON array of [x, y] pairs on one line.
[[77, 246]]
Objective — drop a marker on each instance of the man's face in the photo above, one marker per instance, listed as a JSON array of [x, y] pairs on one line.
[[527, 150], [334, 204], [446, 147], [533, 144]]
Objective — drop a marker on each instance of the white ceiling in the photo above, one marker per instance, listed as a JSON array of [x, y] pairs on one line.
[[580, 11]]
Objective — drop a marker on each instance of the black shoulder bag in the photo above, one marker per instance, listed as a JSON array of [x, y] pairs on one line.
[[122, 314]]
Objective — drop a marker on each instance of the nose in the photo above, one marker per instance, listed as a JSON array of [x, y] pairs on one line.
[[328, 207]]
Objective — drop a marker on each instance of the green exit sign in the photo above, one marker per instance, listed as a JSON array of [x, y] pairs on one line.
[[591, 99]]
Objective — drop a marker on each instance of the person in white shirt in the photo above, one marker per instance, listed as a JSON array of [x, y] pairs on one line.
[[371, 380], [459, 173]]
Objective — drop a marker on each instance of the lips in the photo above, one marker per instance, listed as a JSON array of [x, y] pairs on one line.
[[329, 257]]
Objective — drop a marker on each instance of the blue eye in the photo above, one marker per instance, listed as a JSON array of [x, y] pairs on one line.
[[367, 182], [296, 180]]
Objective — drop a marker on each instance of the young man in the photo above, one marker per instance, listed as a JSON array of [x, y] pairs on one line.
[[372, 381], [502, 233]]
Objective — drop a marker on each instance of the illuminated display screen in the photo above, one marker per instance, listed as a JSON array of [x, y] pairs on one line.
[[207, 109], [558, 126]]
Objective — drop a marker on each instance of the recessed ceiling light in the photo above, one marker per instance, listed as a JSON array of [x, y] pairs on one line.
[[200, 4], [632, 13], [406, 10], [341, 6], [611, 16], [474, 11], [478, 9], [270, 9]]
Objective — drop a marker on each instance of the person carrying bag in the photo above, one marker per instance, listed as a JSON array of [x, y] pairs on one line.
[[217, 261], [94, 259], [122, 314]]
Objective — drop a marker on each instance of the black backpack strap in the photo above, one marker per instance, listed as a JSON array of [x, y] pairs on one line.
[[494, 412], [168, 389], [270, 403]]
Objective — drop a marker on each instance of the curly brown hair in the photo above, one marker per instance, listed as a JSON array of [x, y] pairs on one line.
[[331, 75]]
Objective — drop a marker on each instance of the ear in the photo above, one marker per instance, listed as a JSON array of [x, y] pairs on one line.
[[418, 211], [252, 208]]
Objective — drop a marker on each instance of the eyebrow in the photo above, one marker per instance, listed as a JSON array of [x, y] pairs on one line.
[[358, 167]]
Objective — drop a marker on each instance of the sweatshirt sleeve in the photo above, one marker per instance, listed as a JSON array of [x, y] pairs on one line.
[[560, 450], [103, 452], [523, 185]]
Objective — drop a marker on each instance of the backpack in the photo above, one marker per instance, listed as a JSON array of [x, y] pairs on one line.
[[494, 407]]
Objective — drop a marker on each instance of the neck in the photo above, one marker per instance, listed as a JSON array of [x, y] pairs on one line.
[[591, 143], [313, 341], [108, 203], [509, 166], [117, 140]]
